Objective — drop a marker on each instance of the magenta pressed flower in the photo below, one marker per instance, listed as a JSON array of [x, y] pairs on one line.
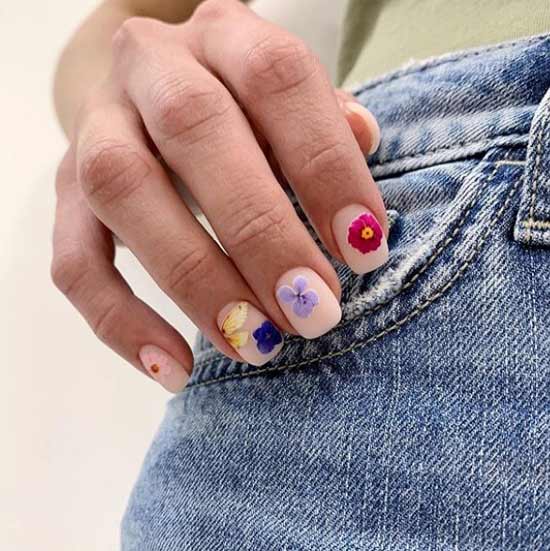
[[365, 233], [303, 300]]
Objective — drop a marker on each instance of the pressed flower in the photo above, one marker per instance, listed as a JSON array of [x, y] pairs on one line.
[[303, 300], [365, 233], [233, 322], [267, 337]]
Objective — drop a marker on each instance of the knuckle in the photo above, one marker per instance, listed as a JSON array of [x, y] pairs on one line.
[[107, 322], [109, 171], [328, 161], [277, 64], [183, 108], [190, 267], [211, 10], [67, 271], [253, 224], [131, 33]]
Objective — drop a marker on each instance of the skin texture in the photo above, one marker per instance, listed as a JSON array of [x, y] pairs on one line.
[[227, 115]]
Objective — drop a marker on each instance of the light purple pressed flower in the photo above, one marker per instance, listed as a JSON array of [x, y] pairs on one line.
[[303, 301]]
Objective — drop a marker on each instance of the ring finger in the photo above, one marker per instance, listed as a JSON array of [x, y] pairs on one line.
[[131, 194]]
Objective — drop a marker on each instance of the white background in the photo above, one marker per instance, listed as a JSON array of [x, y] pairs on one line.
[[75, 421]]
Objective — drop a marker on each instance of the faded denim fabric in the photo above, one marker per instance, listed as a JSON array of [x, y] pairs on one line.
[[422, 421]]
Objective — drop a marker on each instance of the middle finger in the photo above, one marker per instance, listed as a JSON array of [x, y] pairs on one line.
[[288, 95]]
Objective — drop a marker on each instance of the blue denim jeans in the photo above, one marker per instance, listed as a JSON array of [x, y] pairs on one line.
[[420, 422]]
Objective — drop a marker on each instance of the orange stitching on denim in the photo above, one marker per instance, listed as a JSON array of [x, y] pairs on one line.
[[362, 343], [536, 224]]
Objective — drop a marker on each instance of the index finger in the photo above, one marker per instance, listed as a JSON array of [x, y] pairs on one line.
[[288, 95]]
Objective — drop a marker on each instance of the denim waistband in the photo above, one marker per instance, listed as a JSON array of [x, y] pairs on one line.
[[459, 106]]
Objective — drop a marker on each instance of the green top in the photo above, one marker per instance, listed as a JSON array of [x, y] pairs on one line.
[[381, 35]]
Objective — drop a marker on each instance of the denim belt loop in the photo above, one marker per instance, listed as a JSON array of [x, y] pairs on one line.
[[532, 225]]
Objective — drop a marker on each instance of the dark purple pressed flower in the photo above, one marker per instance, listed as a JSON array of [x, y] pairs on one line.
[[267, 337]]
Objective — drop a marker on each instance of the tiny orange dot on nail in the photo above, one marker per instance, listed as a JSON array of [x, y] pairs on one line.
[[155, 368]]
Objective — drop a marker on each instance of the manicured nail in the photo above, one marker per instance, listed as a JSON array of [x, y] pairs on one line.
[[163, 368], [256, 339], [308, 303], [360, 239], [369, 121]]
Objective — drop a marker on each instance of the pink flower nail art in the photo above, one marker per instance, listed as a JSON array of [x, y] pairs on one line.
[[365, 233]]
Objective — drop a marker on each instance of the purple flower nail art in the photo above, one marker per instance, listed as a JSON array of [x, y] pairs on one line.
[[267, 337], [303, 300]]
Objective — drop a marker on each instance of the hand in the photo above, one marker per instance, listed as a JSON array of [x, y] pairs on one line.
[[214, 98]]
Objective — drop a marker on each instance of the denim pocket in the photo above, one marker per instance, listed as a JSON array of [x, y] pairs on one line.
[[446, 214], [441, 217]]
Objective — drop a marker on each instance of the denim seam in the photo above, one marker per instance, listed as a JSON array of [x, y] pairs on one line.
[[531, 223], [459, 145], [536, 224], [427, 65], [361, 343]]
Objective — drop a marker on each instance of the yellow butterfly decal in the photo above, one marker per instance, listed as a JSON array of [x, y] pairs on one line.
[[233, 322], [237, 339]]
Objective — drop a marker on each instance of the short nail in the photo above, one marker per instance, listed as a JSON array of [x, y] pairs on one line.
[[370, 122], [360, 238], [167, 371], [307, 302], [255, 338]]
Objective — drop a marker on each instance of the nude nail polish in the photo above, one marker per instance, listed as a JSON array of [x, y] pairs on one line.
[[254, 337], [307, 302], [370, 122], [360, 238], [163, 368]]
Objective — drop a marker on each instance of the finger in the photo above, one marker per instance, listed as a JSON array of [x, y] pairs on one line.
[[361, 121], [205, 138], [131, 193], [289, 97], [82, 268]]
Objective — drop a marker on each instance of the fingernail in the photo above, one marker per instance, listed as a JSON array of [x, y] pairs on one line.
[[163, 368], [360, 238], [308, 303], [255, 338], [369, 120]]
